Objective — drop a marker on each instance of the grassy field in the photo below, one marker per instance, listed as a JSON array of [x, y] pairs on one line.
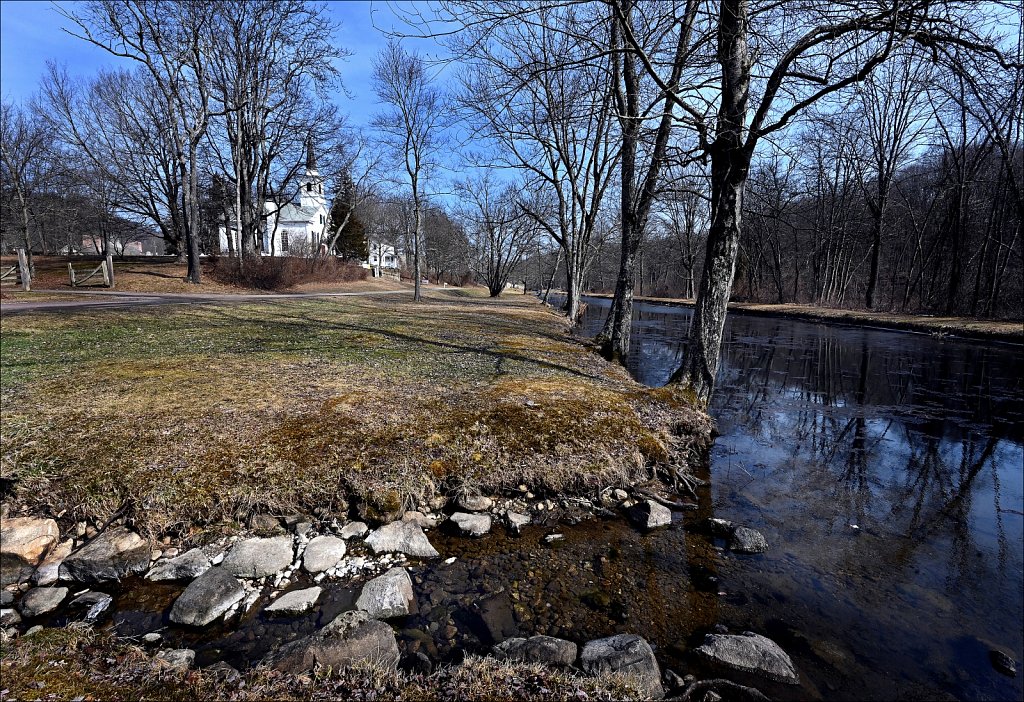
[[193, 418]]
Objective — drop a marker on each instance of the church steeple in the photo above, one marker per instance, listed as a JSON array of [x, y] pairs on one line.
[[310, 158]]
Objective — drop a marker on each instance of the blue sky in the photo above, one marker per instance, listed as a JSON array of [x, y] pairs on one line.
[[31, 33]]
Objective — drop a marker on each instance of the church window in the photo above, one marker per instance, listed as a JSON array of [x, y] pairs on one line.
[[309, 187], [284, 242]]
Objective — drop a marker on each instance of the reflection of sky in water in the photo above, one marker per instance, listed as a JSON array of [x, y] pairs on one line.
[[889, 467]]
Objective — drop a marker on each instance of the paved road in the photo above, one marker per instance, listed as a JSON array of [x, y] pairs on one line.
[[108, 299]]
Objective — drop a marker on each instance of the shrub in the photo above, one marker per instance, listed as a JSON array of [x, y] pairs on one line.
[[280, 273]]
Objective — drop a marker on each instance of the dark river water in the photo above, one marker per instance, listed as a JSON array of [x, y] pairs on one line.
[[885, 468]]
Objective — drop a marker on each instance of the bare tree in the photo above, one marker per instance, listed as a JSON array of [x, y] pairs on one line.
[[168, 40], [804, 52], [538, 91], [411, 127], [269, 62], [499, 230], [24, 144]]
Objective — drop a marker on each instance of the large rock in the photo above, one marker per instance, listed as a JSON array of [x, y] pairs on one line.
[[537, 649], [258, 558], [41, 600], [323, 553], [624, 653], [24, 541], [389, 595], [648, 515], [401, 537], [749, 653], [471, 524], [207, 597], [295, 602], [492, 619], [746, 540], [353, 637], [187, 566], [48, 571], [113, 555]]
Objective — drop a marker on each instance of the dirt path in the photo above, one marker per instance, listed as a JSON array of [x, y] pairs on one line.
[[108, 299]]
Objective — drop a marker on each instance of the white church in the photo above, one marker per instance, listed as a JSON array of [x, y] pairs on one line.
[[295, 228], [301, 228]]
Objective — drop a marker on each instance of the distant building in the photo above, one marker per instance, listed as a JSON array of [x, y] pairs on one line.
[[297, 228]]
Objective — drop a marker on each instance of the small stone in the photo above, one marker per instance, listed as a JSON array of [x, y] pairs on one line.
[[9, 617], [516, 521], [471, 524], [537, 649], [323, 553], [420, 519], [33, 630], [673, 681], [96, 604], [48, 571], [389, 595], [41, 600], [401, 537], [624, 653], [302, 528], [258, 558], [187, 566], [178, 658], [619, 494], [474, 503], [745, 540], [649, 515], [265, 524], [354, 530], [152, 637], [1003, 663], [296, 601], [750, 653], [352, 638], [224, 671], [722, 528], [155, 555], [171, 553], [552, 538], [6, 598], [209, 596]]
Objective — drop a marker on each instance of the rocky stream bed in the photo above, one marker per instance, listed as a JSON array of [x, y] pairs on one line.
[[593, 585]]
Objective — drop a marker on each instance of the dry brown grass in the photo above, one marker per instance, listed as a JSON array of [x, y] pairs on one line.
[[67, 663], [166, 276], [197, 416]]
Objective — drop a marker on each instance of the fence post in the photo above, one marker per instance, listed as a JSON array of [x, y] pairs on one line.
[[110, 271], [23, 269]]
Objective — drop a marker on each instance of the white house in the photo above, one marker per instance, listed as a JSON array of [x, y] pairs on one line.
[[297, 228]]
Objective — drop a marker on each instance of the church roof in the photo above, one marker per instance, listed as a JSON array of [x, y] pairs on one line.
[[297, 213]]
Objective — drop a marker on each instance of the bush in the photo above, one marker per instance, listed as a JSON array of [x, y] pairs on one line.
[[280, 273]]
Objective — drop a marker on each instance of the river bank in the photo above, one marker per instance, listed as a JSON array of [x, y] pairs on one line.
[[181, 442], [960, 327]]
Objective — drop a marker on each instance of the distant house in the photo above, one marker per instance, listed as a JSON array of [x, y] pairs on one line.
[[383, 258], [298, 227]]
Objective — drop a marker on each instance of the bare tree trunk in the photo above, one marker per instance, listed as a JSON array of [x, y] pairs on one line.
[[730, 163]]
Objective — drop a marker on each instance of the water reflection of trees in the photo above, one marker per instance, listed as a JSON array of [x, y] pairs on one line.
[[902, 431], [906, 431]]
